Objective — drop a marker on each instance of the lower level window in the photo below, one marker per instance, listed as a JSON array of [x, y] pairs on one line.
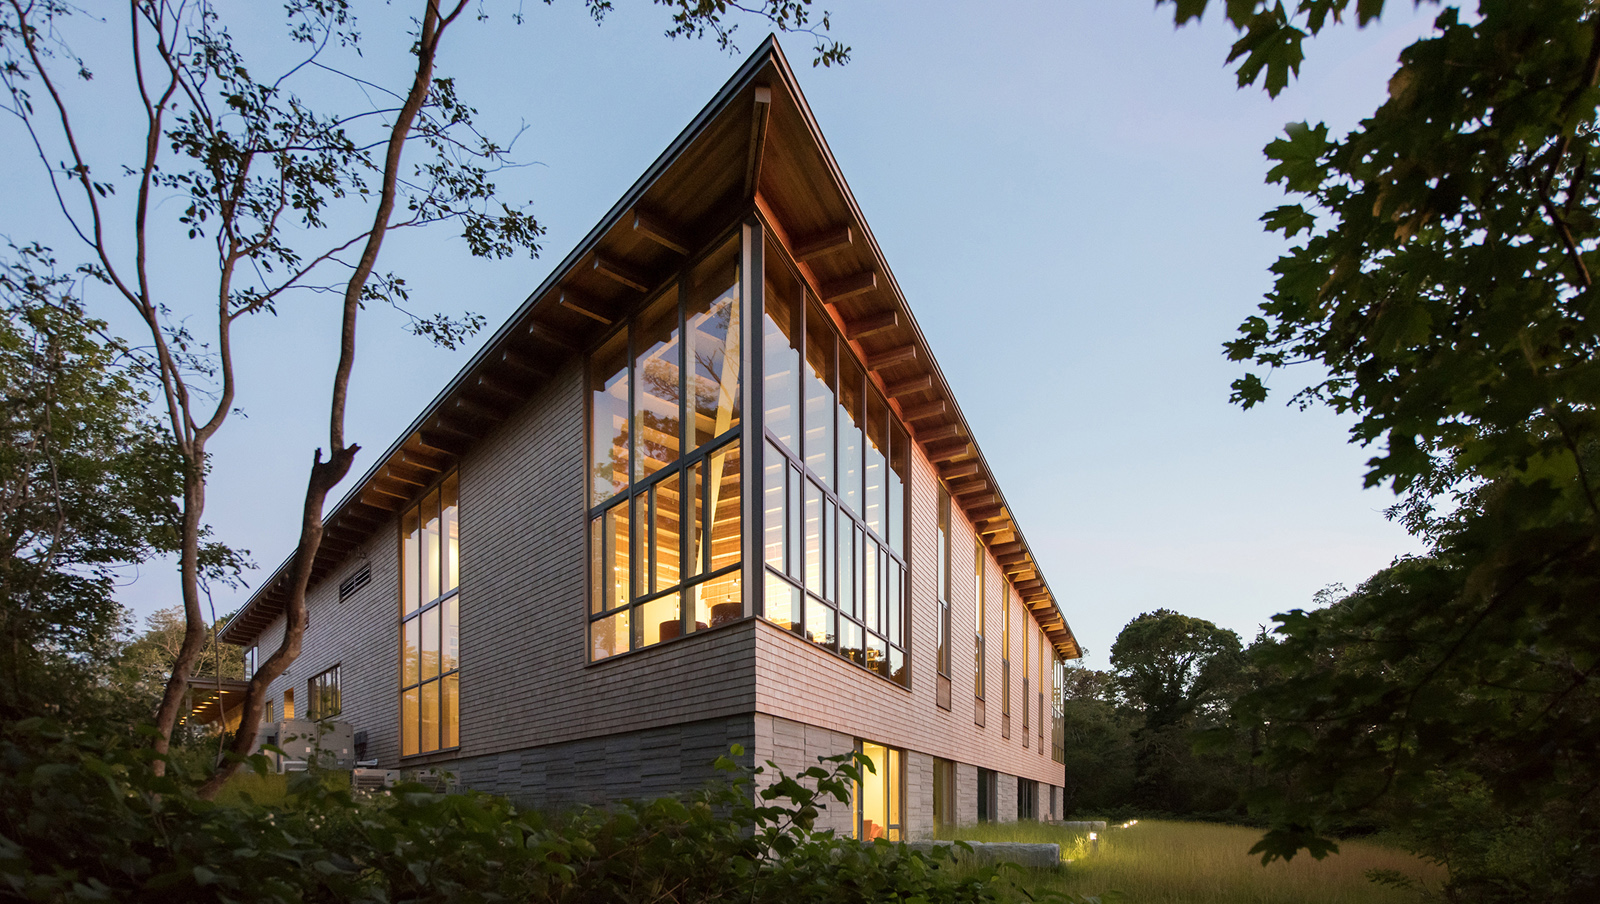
[[1027, 798], [944, 793], [988, 795], [880, 804], [322, 695]]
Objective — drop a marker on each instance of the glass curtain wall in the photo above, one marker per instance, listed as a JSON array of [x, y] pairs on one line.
[[833, 486], [665, 489]]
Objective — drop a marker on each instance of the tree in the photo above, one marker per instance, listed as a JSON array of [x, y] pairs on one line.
[[87, 479], [271, 178], [1176, 675], [1172, 667], [1442, 282]]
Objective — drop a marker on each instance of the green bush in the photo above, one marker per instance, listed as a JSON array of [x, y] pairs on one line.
[[84, 819]]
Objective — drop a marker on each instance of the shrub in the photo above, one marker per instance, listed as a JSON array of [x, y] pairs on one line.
[[84, 819]]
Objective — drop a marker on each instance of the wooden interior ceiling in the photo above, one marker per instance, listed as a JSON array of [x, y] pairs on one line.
[[754, 144]]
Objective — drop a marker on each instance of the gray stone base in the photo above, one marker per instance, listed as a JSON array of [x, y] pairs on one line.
[[630, 766]]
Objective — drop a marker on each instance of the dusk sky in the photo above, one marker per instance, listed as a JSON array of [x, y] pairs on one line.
[[1067, 192]]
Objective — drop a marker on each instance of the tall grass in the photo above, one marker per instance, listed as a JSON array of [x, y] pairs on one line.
[[1204, 863]]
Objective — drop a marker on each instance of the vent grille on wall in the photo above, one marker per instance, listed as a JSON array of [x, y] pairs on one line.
[[351, 584]]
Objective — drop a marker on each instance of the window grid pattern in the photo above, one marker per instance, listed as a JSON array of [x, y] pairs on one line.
[[430, 621], [833, 487], [322, 695], [665, 535]]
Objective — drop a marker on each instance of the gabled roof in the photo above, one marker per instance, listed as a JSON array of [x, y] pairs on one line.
[[755, 141]]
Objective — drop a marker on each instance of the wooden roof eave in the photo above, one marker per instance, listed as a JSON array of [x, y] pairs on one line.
[[884, 281]]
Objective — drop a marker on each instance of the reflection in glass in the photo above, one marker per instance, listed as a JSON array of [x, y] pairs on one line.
[[783, 602], [772, 508], [780, 351], [665, 533], [430, 643], [614, 570], [723, 470], [821, 627], [409, 652], [899, 449], [712, 318], [430, 716], [852, 381], [450, 711], [717, 601], [819, 383], [408, 722], [608, 418], [451, 654], [814, 538], [410, 556], [877, 459], [850, 635], [608, 636], [430, 547], [657, 394], [449, 501]]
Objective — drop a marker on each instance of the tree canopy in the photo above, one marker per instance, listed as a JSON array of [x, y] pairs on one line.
[[1441, 285]]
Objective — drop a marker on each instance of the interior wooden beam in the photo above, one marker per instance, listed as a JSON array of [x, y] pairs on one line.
[[875, 323], [924, 411], [823, 243], [620, 272], [758, 139], [848, 286], [657, 230], [890, 357], [942, 431], [578, 303], [947, 451], [959, 469]]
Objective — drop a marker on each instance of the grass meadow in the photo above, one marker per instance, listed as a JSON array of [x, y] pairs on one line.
[[1156, 862]]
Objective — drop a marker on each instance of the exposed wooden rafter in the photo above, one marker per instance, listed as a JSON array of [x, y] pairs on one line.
[[758, 139], [657, 230], [959, 469], [823, 243], [942, 452], [924, 411], [909, 385], [545, 334], [578, 303], [941, 431], [890, 357], [866, 326], [620, 272], [848, 286]]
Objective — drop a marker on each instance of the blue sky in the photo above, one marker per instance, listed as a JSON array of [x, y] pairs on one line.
[[1068, 194]]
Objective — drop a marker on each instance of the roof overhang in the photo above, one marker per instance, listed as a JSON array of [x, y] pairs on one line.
[[755, 146]]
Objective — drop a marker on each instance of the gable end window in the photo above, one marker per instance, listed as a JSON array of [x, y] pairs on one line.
[[430, 621], [665, 469]]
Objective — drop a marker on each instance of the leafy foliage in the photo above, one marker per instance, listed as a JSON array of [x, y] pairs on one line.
[[87, 480], [86, 820], [1442, 281]]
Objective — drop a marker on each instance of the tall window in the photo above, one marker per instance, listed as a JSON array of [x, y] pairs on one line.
[[944, 581], [879, 803], [322, 695], [1005, 662], [833, 487], [1027, 672], [1027, 799], [664, 465], [982, 619], [249, 663], [988, 795], [430, 621], [1058, 728], [944, 793], [288, 703]]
